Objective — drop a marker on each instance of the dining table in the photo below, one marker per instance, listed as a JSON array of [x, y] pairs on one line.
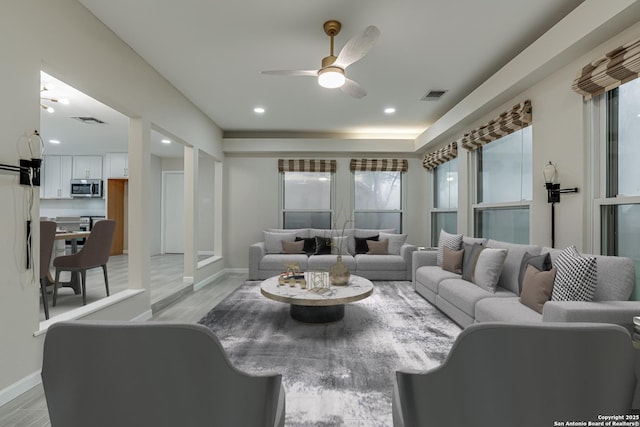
[[73, 236]]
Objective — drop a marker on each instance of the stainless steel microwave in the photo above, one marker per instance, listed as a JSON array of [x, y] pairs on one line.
[[86, 188]]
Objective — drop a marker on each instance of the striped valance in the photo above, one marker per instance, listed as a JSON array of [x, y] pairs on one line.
[[306, 165], [610, 71], [438, 157], [510, 121], [379, 165]]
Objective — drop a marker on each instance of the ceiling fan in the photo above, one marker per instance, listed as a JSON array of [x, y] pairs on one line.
[[332, 72]]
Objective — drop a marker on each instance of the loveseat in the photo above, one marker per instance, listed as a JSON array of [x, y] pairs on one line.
[[465, 302], [317, 250]]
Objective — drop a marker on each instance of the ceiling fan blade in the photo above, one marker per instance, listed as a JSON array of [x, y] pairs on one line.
[[352, 88], [357, 47], [309, 73]]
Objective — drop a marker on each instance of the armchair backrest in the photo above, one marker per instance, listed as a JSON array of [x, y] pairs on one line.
[[47, 237], [149, 374], [500, 374]]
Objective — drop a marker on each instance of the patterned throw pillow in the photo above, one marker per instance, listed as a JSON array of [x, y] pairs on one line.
[[452, 241], [576, 276]]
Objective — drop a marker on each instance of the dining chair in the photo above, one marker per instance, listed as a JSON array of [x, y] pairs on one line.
[[94, 253], [526, 375], [47, 238], [126, 374]]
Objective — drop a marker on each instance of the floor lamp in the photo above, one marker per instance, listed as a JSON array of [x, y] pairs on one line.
[[553, 195]]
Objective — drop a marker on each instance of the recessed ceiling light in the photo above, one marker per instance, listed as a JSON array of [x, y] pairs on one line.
[[259, 110], [54, 141], [389, 110], [166, 141]]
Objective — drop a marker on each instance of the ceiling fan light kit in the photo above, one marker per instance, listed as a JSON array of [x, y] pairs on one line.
[[332, 73]]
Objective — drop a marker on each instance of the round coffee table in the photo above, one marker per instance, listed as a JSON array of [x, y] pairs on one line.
[[311, 307]]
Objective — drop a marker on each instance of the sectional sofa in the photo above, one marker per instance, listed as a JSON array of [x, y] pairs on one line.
[[267, 258], [467, 303]]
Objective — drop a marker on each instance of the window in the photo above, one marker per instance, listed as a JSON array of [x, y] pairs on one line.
[[306, 199], [504, 187], [378, 198], [444, 215], [620, 210]]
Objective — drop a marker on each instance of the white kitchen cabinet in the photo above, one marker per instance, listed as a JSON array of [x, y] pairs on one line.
[[87, 167], [118, 165], [57, 177]]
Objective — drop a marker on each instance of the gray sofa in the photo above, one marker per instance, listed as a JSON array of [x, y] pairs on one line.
[[466, 303], [263, 264]]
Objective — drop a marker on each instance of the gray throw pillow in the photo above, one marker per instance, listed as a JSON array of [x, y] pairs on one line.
[[296, 247], [452, 241], [541, 262], [469, 259], [273, 241], [395, 242], [378, 247], [537, 287], [452, 260], [488, 268], [576, 276]]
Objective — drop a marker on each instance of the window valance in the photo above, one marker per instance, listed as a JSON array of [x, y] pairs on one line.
[[306, 165], [610, 71], [438, 157], [512, 120], [379, 165]]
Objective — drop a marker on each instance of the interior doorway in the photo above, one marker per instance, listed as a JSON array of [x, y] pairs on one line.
[[173, 212]]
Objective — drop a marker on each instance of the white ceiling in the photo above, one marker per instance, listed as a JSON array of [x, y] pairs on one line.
[[214, 52]]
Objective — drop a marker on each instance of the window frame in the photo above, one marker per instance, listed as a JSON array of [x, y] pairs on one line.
[[435, 209], [281, 199], [403, 198]]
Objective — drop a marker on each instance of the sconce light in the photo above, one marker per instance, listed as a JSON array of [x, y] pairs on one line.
[[553, 194]]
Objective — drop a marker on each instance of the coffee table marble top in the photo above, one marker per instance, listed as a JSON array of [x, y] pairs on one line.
[[358, 288]]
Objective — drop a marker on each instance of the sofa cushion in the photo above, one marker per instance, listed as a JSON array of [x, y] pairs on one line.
[[361, 244], [505, 310], [576, 276], [431, 276], [273, 241], [300, 232], [473, 240], [452, 241], [465, 295], [309, 246], [542, 262], [378, 247], [364, 233], [469, 259], [324, 262], [616, 276], [537, 286], [452, 260], [488, 268], [276, 262], [511, 269], [340, 245], [395, 241], [293, 247], [323, 245], [380, 263]]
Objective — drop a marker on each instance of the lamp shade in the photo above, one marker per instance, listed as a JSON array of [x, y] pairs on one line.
[[331, 77], [549, 173]]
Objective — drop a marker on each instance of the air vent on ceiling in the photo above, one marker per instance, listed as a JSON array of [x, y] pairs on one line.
[[433, 95], [89, 120]]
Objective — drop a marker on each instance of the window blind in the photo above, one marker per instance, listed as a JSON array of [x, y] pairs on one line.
[[609, 71], [512, 120], [306, 165], [438, 157], [379, 165]]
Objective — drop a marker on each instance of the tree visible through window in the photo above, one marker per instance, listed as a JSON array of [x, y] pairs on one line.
[[378, 199]]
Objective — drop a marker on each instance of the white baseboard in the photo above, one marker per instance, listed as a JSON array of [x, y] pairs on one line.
[[147, 315], [237, 270], [207, 281], [22, 386]]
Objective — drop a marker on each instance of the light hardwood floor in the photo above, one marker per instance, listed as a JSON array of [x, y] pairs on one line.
[[30, 409]]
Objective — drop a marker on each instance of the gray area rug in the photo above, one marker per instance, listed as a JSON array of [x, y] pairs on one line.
[[337, 374]]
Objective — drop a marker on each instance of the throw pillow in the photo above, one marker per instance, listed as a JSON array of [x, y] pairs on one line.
[[361, 244], [452, 260], [395, 241], [323, 245], [339, 245], [541, 262], [292, 247], [576, 276], [488, 268], [452, 241], [469, 259], [537, 286], [309, 244], [272, 241], [378, 247]]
